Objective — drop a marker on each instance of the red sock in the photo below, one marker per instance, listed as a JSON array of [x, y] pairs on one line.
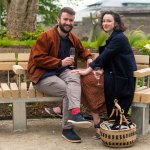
[[75, 111]]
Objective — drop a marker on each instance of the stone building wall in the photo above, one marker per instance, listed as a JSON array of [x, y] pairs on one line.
[[82, 29], [143, 23]]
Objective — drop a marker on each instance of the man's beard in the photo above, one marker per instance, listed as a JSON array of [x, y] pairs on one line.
[[63, 29]]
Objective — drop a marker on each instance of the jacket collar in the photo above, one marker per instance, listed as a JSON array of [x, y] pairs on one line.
[[114, 33]]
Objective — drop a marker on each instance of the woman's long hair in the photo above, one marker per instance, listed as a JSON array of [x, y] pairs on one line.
[[119, 22]]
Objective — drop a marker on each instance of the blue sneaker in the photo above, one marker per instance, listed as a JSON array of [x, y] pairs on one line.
[[71, 136], [79, 121]]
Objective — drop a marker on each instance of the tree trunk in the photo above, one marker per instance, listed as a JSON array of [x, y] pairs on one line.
[[21, 16]]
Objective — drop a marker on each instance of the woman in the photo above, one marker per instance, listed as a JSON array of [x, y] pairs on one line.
[[117, 60], [92, 96]]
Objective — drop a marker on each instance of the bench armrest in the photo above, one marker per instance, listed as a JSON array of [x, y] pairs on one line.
[[19, 70], [142, 73]]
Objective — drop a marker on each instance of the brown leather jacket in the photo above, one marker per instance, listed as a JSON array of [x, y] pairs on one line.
[[44, 53]]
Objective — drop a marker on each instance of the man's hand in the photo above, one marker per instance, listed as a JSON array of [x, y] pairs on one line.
[[67, 61]]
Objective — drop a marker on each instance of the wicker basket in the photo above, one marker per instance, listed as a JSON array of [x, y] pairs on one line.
[[124, 137], [118, 138]]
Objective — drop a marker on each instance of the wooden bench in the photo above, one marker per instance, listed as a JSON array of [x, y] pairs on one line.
[[18, 94], [140, 106]]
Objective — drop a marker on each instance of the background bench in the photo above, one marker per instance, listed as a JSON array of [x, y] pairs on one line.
[[20, 93]]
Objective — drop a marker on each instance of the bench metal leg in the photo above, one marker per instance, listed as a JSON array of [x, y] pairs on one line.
[[19, 115], [140, 116]]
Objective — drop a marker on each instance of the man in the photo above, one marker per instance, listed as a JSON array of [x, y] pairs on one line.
[[49, 70]]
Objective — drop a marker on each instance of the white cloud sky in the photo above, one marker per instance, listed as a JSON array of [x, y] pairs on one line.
[[81, 5]]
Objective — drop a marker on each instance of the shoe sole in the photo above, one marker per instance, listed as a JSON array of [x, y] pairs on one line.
[[47, 111], [73, 141], [84, 124]]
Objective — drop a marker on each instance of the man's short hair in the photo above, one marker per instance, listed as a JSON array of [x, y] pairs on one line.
[[68, 10]]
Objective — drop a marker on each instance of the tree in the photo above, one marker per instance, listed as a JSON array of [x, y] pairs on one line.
[[2, 15], [21, 16], [49, 11]]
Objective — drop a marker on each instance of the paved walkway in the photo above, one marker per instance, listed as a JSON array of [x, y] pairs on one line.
[[45, 134]]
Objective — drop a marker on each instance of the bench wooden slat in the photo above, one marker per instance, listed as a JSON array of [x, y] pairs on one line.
[[5, 66], [142, 66], [145, 97], [142, 73], [23, 57], [142, 59], [136, 97], [7, 57], [137, 94], [23, 89], [5, 90], [31, 91], [23, 64], [1, 95], [14, 90], [141, 88], [39, 94]]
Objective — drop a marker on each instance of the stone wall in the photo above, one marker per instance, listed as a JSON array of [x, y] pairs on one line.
[[143, 23]]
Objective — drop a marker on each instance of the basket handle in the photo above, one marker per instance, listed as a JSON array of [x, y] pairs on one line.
[[121, 112]]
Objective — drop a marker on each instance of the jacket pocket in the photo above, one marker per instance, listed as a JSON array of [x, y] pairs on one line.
[[122, 87]]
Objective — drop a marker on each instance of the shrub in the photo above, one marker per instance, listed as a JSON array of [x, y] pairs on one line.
[[135, 36], [101, 38], [30, 35], [2, 34]]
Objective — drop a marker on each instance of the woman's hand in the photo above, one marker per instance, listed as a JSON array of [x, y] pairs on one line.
[[100, 71], [82, 72]]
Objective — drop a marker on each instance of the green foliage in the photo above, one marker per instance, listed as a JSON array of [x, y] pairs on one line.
[[84, 38], [140, 82], [3, 34], [135, 36], [144, 47], [30, 35], [90, 45], [2, 16], [138, 39], [148, 36], [28, 38], [26, 35], [99, 41], [49, 11], [8, 42], [101, 38]]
